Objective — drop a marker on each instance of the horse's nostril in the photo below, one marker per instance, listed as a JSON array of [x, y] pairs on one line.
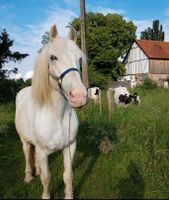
[[76, 94], [72, 94]]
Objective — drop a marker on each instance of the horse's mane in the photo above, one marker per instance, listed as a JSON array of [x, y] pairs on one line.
[[41, 89]]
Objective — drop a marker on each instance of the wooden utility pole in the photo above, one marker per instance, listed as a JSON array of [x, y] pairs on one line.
[[110, 102], [84, 43]]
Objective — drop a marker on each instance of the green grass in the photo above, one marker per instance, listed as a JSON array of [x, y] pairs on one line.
[[136, 168]]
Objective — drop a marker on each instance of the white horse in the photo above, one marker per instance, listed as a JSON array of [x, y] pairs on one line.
[[45, 117]]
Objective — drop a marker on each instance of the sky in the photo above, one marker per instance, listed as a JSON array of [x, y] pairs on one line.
[[27, 20]]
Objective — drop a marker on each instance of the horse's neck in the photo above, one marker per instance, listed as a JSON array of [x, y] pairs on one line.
[[58, 103]]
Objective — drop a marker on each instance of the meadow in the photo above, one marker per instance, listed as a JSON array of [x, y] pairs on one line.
[[136, 168]]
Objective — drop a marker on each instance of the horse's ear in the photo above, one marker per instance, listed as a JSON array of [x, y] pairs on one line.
[[72, 34], [53, 32]]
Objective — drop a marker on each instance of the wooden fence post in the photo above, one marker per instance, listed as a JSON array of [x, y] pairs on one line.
[[110, 101], [100, 102]]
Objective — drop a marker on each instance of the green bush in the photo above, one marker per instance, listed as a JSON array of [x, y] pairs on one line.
[[9, 88], [167, 78], [149, 84]]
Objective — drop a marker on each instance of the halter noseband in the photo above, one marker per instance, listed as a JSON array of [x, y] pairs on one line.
[[58, 79]]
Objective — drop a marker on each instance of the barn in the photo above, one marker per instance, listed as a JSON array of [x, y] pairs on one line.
[[147, 59]]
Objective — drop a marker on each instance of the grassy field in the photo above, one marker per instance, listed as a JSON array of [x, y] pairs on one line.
[[136, 168]]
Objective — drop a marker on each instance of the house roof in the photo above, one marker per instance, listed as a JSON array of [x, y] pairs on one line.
[[154, 49]]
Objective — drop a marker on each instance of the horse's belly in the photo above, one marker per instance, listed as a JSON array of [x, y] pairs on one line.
[[57, 140]]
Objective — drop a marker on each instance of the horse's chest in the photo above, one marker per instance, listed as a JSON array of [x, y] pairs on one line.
[[55, 134]]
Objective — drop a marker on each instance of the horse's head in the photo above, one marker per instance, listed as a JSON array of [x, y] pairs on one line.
[[64, 57], [60, 59]]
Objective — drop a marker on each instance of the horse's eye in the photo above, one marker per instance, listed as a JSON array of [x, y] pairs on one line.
[[52, 57]]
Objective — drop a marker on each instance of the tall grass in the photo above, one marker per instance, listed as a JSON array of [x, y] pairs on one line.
[[136, 168]]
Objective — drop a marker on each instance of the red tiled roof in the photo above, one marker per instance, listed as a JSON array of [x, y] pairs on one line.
[[154, 49]]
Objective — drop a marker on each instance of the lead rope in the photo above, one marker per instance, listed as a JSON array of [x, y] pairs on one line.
[[70, 157]]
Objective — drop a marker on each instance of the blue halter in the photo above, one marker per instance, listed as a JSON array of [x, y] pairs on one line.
[[67, 71], [59, 79]]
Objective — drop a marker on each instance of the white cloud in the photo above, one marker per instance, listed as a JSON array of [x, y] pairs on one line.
[[18, 76], [28, 75], [28, 38], [165, 25], [166, 29], [142, 25], [31, 34], [105, 11], [61, 17]]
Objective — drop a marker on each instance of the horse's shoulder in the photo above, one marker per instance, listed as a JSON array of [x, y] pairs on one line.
[[22, 93]]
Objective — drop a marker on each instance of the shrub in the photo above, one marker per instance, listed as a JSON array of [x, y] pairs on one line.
[[149, 84], [167, 78], [9, 88]]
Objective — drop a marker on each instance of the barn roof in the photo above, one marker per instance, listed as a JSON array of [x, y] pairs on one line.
[[154, 49]]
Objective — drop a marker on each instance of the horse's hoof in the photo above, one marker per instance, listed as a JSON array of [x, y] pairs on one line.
[[28, 179], [68, 197], [45, 196]]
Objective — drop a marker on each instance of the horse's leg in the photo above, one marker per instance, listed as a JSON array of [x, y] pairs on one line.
[[37, 166], [42, 158], [68, 173], [28, 169]]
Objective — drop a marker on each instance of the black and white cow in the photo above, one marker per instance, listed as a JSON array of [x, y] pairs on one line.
[[94, 93], [132, 98], [122, 96]]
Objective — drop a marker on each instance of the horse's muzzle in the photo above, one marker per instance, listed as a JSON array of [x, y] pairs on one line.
[[78, 98]]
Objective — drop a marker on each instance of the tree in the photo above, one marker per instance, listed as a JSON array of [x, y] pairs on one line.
[[108, 38], [45, 39], [154, 33], [10, 87], [7, 55]]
